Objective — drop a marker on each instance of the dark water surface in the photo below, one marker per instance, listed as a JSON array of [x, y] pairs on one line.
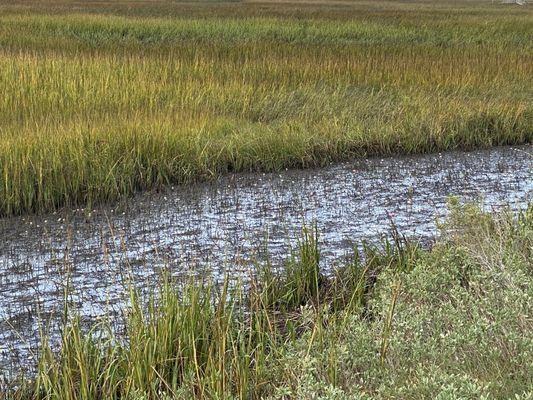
[[223, 225]]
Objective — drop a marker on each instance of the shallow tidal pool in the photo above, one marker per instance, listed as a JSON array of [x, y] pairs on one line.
[[225, 226]]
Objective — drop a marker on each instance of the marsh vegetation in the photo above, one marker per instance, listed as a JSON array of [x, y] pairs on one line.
[[99, 101], [452, 322]]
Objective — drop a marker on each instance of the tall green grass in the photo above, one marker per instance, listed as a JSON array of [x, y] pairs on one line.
[[198, 339], [450, 322], [95, 107]]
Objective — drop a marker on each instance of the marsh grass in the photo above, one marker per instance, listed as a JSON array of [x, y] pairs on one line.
[[95, 107], [199, 339]]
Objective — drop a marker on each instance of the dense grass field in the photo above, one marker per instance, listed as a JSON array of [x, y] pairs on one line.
[[102, 99], [453, 322]]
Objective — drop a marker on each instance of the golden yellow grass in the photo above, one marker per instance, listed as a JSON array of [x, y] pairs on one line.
[[101, 100]]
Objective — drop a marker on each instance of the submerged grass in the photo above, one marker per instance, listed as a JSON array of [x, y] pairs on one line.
[[402, 322], [101, 101]]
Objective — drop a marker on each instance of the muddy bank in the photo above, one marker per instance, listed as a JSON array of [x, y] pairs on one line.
[[225, 225]]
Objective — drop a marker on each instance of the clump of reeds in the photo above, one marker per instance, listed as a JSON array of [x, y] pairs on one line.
[[198, 339]]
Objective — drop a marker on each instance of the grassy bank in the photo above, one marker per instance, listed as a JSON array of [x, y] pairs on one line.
[[99, 101], [451, 322]]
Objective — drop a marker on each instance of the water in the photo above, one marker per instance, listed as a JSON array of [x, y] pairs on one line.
[[223, 225]]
